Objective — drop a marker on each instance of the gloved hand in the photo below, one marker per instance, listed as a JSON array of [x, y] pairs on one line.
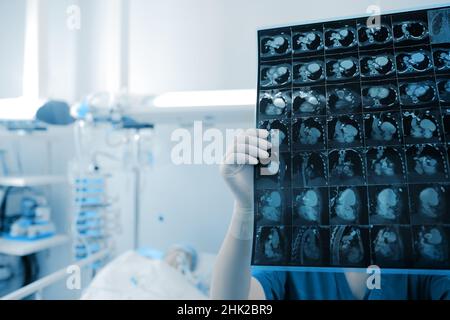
[[237, 169]]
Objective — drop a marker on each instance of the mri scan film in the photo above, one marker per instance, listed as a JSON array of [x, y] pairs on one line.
[[359, 120]]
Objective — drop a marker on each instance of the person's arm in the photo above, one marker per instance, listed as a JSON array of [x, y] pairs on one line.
[[231, 278]]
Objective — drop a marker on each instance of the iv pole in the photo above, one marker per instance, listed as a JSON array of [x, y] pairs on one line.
[[137, 187], [137, 175]]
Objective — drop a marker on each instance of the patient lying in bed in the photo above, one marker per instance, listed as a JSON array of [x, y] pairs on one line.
[[179, 274]]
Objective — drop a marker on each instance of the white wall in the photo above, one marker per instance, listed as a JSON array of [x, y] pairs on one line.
[[12, 41], [57, 46], [211, 44], [173, 44], [99, 47], [193, 201], [78, 62]]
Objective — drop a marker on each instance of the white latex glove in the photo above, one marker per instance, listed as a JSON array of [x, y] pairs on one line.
[[232, 277], [238, 166]]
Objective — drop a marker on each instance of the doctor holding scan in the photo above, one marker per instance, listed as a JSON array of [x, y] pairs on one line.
[[234, 279], [362, 181]]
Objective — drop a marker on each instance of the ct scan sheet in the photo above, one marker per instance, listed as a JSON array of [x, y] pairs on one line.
[[359, 111]]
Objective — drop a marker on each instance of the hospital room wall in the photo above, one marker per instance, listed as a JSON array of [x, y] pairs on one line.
[[12, 13], [75, 62], [203, 44], [165, 47], [184, 204]]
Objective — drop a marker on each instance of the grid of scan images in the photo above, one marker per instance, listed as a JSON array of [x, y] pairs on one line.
[[363, 116]]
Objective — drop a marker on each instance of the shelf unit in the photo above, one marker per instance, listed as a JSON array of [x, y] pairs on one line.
[[19, 247], [31, 181], [43, 176], [24, 248], [18, 135]]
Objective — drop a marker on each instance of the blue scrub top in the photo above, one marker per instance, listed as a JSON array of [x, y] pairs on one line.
[[283, 285]]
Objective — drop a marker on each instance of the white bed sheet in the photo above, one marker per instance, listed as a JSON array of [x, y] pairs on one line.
[[134, 277]]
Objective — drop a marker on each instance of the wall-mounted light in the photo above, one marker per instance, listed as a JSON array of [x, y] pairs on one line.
[[21, 108], [214, 98]]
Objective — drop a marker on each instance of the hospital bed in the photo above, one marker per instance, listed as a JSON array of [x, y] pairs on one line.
[[142, 274], [137, 276]]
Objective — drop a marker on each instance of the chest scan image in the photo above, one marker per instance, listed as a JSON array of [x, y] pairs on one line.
[[272, 245], [311, 247], [271, 206], [416, 61], [382, 165], [417, 93], [425, 165], [374, 34], [424, 128], [275, 75], [345, 167], [308, 205], [380, 96], [377, 66], [343, 99], [345, 133], [382, 130], [340, 38], [343, 68], [275, 45], [351, 249], [309, 101], [432, 245], [387, 202], [346, 205], [273, 104], [309, 135], [308, 72], [310, 41], [429, 200], [387, 245]]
